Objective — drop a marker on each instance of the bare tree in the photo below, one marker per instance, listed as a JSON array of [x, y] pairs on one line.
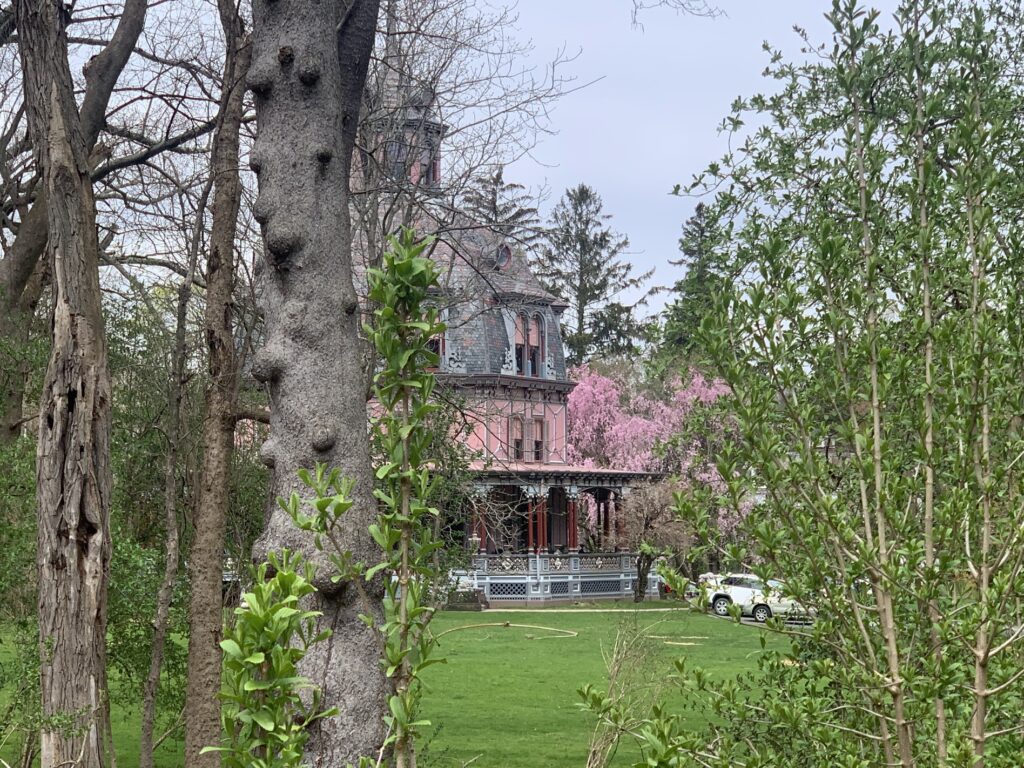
[[448, 98], [206, 561], [651, 528], [308, 72], [152, 111], [175, 394], [73, 466]]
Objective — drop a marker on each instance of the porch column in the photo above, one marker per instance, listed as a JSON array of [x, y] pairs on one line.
[[481, 532], [573, 537], [542, 513], [479, 526], [617, 522], [529, 524], [606, 523]]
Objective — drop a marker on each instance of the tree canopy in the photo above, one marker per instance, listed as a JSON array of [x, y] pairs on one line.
[[584, 263]]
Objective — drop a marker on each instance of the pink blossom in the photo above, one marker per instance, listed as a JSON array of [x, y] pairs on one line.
[[611, 425]]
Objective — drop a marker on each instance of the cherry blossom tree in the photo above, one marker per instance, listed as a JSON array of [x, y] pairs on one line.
[[674, 430]]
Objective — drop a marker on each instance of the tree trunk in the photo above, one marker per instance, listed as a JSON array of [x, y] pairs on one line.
[[19, 263], [202, 708], [175, 394], [309, 69], [644, 562], [73, 474]]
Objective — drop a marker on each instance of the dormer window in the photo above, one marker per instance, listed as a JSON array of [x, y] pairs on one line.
[[439, 344], [502, 257], [522, 337], [429, 171], [530, 345], [535, 347]]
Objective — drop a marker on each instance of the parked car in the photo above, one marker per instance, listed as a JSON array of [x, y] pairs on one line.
[[757, 599]]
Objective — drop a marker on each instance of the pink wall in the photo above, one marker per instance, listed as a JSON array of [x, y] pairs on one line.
[[491, 432]]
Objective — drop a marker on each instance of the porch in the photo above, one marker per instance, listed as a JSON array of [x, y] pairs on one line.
[[554, 577]]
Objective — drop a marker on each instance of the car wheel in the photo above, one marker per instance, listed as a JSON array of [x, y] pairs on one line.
[[762, 613], [720, 605]]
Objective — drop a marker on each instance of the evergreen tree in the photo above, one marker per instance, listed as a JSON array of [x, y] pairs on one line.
[[581, 263], [694, 294], [505, 208]]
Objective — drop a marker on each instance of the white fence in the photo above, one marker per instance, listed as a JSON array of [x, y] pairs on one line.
[[542, 578]]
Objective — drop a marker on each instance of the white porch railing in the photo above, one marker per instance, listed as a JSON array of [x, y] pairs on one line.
[[538, 578]]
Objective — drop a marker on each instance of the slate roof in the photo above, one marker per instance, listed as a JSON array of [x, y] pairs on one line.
[[468, 253]]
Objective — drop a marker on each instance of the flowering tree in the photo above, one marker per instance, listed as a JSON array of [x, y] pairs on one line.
[[676, 432]]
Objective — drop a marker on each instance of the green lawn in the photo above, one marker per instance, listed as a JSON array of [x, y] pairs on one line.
[[125, 722], [507, 696]]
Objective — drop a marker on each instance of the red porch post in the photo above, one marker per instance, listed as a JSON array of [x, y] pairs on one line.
[[481, 531], [529, 523], [542, 512]]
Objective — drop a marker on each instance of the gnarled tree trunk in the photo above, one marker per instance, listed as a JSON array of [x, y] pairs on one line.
[[19, 263], [73, 466], [308, 72]]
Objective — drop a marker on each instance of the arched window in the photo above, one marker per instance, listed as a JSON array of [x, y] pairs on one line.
[[396, 159], [439, 344], [537, 346], [522, 333], [539, 441], [430, 163]]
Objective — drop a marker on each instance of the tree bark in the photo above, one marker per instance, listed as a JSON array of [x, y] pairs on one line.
[[309, 69], [202, 709], [18, 264], [644, 562], [73, 472]]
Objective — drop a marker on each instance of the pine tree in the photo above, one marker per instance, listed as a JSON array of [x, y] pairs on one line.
[[581, 263], [694, 294], [506, 208]]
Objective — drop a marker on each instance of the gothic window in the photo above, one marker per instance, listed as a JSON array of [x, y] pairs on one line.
[[429, 171], [434, 173], [439, 344], [515, 434], [536, 346], [522, 333], [396, 159], [538, 439]]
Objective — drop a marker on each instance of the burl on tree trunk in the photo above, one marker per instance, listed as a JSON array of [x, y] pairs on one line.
[[308, 72], [73, 474]]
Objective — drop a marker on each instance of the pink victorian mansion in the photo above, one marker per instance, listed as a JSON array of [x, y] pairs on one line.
[[502, 354]]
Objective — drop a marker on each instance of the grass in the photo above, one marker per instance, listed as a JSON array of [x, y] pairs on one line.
[[507, 696], [125, 720]]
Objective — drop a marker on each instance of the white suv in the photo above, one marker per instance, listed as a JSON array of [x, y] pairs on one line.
[[756, 598]]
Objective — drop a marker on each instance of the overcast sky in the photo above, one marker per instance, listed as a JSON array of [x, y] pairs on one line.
[[651, 121]]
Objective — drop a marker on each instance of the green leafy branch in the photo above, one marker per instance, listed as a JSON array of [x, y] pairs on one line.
[[264, 718], [405, 323]]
